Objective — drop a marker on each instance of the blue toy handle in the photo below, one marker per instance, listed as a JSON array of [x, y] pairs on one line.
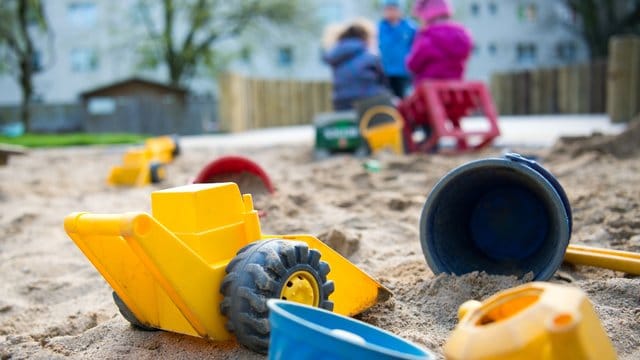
[[549, 177]]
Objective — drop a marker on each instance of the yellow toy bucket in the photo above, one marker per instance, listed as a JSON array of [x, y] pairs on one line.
[[387, 135]]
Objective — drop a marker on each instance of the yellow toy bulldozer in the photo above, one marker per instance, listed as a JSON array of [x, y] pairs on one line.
[[145, 165], [201, 266]]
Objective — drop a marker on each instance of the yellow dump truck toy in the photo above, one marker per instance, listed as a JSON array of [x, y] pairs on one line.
[[201, 266], [142, 166]]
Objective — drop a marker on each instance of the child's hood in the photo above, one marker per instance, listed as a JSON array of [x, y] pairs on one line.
[[450, 38], [344, 50]]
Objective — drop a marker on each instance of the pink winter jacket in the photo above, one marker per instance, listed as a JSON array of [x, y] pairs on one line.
[[440, 51]]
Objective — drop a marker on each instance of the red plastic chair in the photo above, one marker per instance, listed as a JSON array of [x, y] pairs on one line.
[[441, 106]]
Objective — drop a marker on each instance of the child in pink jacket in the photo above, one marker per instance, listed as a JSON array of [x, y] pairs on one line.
[[441, 47]]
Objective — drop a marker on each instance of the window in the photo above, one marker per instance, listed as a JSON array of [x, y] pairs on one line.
[[82, 14], [36, 61], [528, 12], [101, 106], [475, 9], [285, 56], [493, 8], [566, 51], [493, 49], [526, 53], [84, 60]]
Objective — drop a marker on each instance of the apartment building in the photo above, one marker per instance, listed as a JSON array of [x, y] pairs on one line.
[[95, 42]]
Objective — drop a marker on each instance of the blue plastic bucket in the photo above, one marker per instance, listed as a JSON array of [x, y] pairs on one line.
[[303, 332], [506, 216]]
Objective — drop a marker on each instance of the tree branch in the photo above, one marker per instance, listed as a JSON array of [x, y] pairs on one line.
[[9, 38], [168, 26], [143, 11], [197, 21], [23, 8], [212, 37]]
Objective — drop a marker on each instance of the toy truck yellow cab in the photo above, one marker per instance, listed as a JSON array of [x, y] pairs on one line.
[[138, 169], [163, 148], [142, 166], [201, 266]]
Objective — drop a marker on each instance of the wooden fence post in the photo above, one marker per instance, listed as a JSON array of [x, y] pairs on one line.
[[223, 101], [623, 82]]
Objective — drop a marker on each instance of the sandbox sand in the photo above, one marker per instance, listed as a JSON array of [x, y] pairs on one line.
[[54, 304]]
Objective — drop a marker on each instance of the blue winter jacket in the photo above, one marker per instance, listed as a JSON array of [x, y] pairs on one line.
[[395, 43], [357, 73]]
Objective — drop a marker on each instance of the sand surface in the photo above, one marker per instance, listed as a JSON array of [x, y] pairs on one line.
[[54, 304]]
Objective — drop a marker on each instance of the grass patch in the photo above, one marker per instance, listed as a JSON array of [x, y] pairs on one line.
[[74, 139]]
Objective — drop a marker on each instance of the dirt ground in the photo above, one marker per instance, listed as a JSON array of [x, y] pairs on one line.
[[54, 304]]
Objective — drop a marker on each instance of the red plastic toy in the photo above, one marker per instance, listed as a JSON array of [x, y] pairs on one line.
[[227, 168], [440, 106]]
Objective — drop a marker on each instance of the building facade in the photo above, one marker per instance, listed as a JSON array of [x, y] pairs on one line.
[[519, 34], [95, 42], [87, 46]]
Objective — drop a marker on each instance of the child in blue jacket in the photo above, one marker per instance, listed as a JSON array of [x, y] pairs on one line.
[[357, 73], [395, 36]]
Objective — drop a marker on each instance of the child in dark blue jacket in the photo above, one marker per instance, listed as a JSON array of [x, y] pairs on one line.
[[357, 73]]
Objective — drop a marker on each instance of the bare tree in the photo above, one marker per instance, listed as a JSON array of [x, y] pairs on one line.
[[19, 19], [598, 20], [208, 22]]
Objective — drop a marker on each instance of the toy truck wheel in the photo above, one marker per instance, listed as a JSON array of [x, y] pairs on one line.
[[176, 150], [129, 316], [157, 171], [267, 269]]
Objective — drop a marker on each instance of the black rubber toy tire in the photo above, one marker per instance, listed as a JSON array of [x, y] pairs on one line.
[[154, 170], [176, 150], [258, 273], [129, 316]]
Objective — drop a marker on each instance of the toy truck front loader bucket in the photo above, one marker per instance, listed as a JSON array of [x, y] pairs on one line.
[[355, 291], [162, 281]]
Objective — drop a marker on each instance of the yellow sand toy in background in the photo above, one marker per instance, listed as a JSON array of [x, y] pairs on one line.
[[533, 321], [142, 166], [386, 135], [138, 169], [163, 148], [201, 266]]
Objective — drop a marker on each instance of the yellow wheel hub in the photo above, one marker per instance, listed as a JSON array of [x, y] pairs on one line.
[[301, 287]]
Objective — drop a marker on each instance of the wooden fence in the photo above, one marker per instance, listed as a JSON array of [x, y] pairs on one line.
[[578, 89], [611, 87], [624, 78], [128, 115], [250, 103]]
